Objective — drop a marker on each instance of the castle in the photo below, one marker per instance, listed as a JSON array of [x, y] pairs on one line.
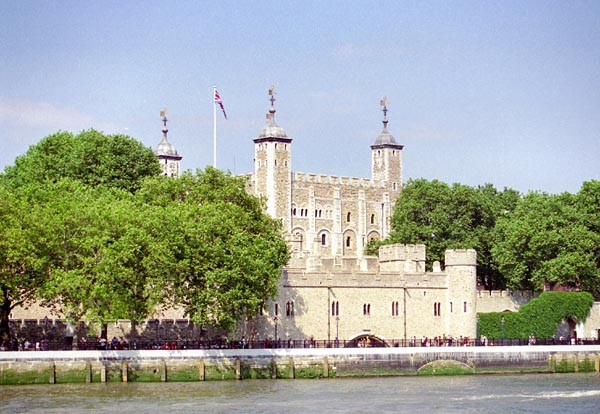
[[330, 289]]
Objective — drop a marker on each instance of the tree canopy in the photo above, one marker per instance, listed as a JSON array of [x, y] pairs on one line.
[[115, 161], [547, 242], [534, 241], [92, 244], [445, 217]]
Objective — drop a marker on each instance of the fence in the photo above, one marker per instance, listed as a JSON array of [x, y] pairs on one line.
[[95, 344]]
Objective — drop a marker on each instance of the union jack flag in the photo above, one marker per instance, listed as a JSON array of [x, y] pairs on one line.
[[220, 102]]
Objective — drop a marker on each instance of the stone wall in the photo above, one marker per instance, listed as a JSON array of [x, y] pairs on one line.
[[186, 365]]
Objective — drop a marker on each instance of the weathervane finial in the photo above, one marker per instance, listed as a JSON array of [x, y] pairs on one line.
[[272, 94]]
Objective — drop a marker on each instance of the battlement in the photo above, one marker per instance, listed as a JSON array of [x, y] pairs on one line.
[[402, 252], [337, 180], [493, 294], [461, 257], [503, 300]]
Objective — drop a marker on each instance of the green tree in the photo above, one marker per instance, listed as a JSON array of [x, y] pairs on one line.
[[445, 217], [545, 243], [226, 254], [97, 251], [91, 157], [21, 270]]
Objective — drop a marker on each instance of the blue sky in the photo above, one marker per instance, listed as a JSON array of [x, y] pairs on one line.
[[478, 92]]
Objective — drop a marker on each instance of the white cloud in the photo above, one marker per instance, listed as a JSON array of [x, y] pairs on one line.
[[29, 114]]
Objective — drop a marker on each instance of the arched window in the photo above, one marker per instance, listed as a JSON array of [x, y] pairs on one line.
[[335, 308], [323, 239], [367, 309], [437, 309]]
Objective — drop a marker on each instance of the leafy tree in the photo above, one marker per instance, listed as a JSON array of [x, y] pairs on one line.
[[445, 217], [96, 251], [91, 157], [545, 243], [21, 270], [226, 254]]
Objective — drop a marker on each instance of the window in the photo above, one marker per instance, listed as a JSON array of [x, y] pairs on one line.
[[323, 239], [289, 309], [348, 216], [367, 309], [348, 241], [395, 309], [437, 309], [451, 307], [372, 218], [465, 307], [335, 308]]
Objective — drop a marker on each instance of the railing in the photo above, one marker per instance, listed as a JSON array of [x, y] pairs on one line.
[[281, 343]]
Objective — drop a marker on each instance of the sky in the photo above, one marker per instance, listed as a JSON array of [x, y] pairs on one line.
[[500, 92]]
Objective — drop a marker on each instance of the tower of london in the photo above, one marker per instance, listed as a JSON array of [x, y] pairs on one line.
[[324, 214]]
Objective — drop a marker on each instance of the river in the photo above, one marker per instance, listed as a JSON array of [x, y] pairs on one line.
[[481, 394]]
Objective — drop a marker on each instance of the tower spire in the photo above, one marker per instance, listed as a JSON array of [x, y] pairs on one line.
[[383, 103], [163, 114], [271, 114]]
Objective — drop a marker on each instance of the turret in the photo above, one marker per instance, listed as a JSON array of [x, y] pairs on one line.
[[273, 166], [461, 268], [166, 153]]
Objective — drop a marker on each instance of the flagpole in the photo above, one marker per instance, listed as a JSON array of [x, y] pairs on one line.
[[214, 127]]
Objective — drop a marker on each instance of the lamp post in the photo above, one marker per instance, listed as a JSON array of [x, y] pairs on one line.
[[275, 319], [502, 321]]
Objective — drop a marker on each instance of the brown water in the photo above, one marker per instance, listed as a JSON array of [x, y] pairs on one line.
[[541, 393]]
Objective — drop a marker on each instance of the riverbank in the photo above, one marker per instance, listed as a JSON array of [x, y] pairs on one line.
[[232, 364]]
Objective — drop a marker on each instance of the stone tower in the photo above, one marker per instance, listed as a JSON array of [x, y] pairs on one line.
[[273, 166], [166, 153], [386, 167], [461, 268], [386, 156]]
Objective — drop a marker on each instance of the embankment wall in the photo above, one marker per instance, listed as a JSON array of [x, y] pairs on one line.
[[200, 365]]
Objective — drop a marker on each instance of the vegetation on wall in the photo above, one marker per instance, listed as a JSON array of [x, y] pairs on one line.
[[541, 316]]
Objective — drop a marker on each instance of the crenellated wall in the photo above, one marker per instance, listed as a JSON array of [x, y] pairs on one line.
[[503, 300], [336, 180]]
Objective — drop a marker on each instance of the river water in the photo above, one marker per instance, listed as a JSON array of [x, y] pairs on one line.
[[481, 394]]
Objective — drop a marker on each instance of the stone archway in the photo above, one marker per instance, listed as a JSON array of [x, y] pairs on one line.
[[366, 340]]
